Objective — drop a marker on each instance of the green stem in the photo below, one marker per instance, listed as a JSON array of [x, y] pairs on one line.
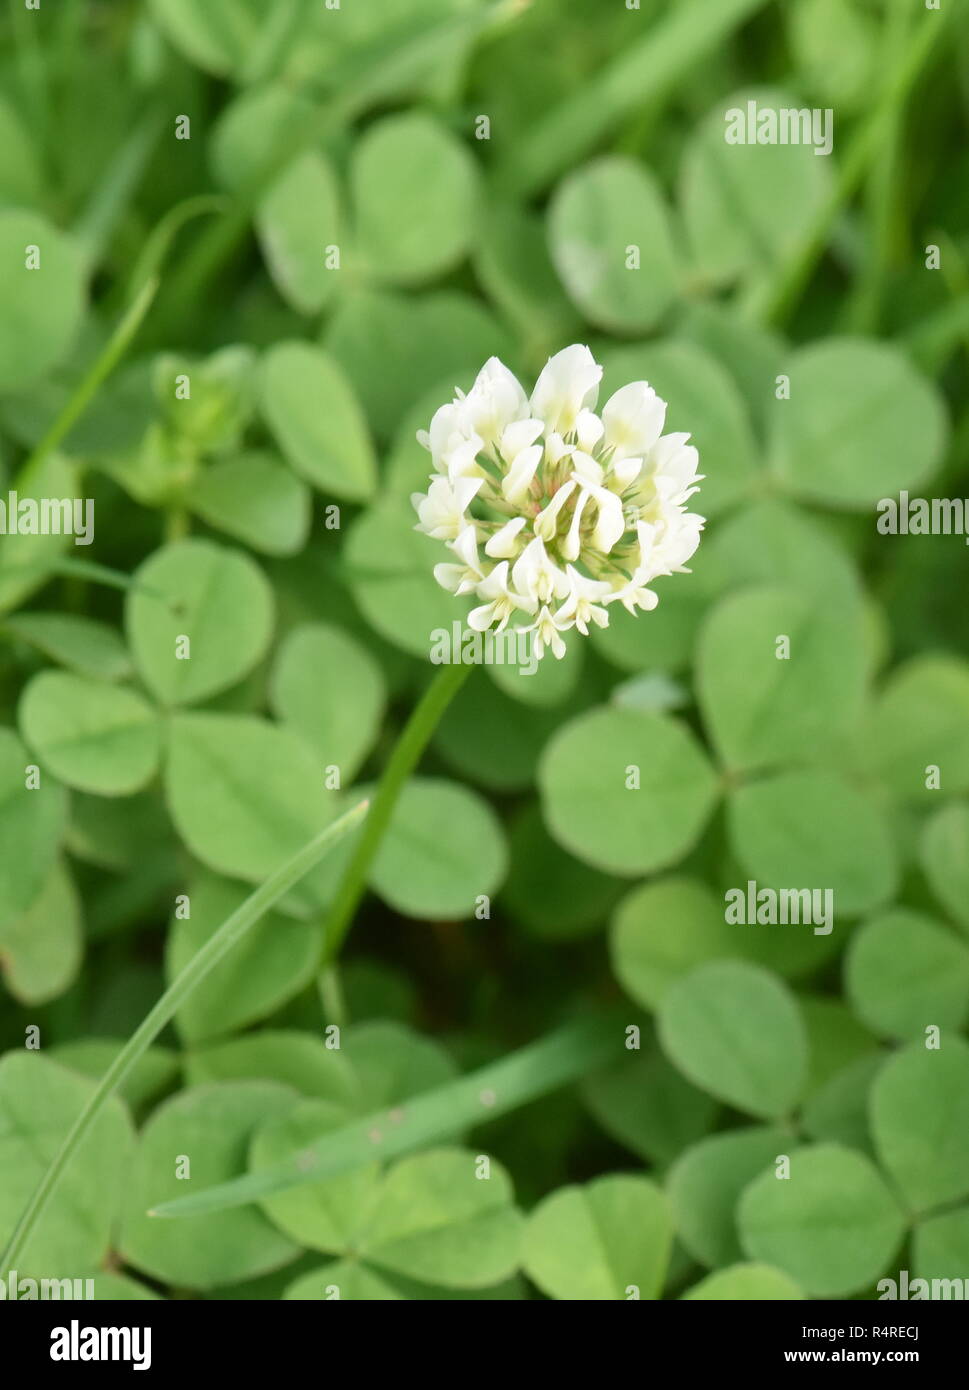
[[407, 750], [332, 999], [105, 364], [231, 932], [176, 524], [144, 286]]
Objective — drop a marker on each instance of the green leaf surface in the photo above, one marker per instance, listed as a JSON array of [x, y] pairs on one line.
[[93, 736], [389, 568], [444, 850], [256, 500], [917, 734], [414, 191], [736, 1031], [242, 792], [277, 958], [203, 1132], [314, 416], [832, 1226], [705, 1185], [944, 856], [852, 448], [39, 1101], [649, 1107], [84, 645], [814, 829], [904, 972], [594, 809], [217, 599], [920, 1121], [41, 948], [31, 825], [444, 1217], [751, 681], [299, 221], [328, 688], [612, 244], [595, 1242], [745, 203], [43, 298], [745, 1283]]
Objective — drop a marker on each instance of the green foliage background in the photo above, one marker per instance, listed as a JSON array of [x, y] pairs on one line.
[[268, 519]]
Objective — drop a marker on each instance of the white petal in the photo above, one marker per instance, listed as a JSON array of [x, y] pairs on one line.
[[569, 381], [611, 523], [626, 471], [482, 618], [466, 548], [572, 544], [515, 484], [633, 418], [588, 430], [503, 543], [518, 436], [586, 468], [546, 523]]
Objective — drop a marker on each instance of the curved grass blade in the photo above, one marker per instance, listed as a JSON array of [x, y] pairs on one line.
[[562, 1056], [232, 930], [650, 67]]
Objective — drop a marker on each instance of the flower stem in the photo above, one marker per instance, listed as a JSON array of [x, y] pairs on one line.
[[407, 750], [232, 930]]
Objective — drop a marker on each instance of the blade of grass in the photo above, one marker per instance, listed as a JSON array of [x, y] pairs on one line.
[[883, 195], [650, 67], [87, 389], [774, 303], [555, 1060], [108, 201], [232, 930]]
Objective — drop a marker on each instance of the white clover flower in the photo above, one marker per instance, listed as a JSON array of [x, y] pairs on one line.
[[554, 512]]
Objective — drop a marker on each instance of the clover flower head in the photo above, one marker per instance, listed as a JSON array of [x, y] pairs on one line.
[[551, 511]]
